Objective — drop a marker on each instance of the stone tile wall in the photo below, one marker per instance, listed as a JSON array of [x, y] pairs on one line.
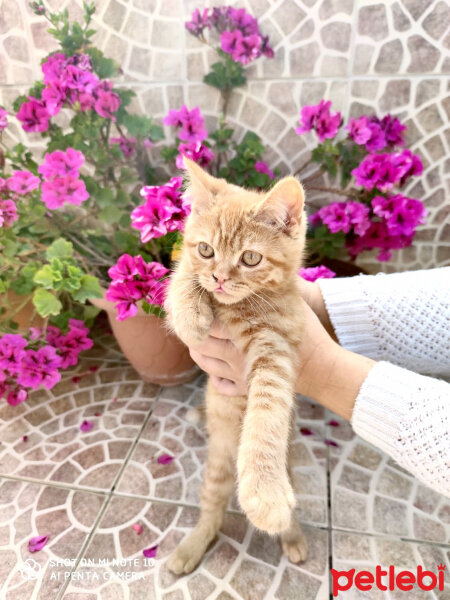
[[364, 55]]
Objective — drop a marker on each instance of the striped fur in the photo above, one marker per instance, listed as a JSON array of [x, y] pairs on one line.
[[248, 436]]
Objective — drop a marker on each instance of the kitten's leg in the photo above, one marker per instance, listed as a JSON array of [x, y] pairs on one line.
[[218, 485], [293, 542], [265, 492]]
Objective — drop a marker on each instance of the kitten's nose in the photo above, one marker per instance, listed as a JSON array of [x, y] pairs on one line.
[[219, 279]]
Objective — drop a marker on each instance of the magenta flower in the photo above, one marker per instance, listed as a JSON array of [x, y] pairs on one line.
[[164, 210], [23, 182], [359, 130], [165, 459], [321, 119], [343, 216], [242, 48], [12, 350], [40, 368], [383, 171], [54, 96], [107, 103], [8, 213], [34, 115], [60, 190], [86, 425], [263, 167], [70, 344], [61, 163], [191, 122], [16, 396], [196, 151], [199, 21], [3, 118], [53, 68], [314, 273], [128, 146], [37, 543], [150, 552], [133, 280], [393, 130], [402, 214]]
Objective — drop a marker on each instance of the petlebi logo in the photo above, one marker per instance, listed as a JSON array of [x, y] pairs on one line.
[[388, 579], [30, 569]]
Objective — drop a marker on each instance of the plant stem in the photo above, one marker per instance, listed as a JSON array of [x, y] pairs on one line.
[[335, 191], [303, 166]]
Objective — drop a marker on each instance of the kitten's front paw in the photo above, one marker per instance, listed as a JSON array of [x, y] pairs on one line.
[[192, 326], [267, 501], [186, 557]]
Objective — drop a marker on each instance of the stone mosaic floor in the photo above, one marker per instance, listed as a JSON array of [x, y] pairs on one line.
[[87, 489]]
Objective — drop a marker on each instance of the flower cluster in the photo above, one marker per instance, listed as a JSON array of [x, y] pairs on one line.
[[27, 364], [384, 171], [319, 118], [62, 181], [343, 216], [240, 36], [134, 280], [3, 119], [376, 134], [164, 210], [68, 81], [314, 273], [192, 132], [19, 184]]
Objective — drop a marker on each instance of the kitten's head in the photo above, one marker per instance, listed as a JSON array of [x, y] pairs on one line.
[[242, 242]]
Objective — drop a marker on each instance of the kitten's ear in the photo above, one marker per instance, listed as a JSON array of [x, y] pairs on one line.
[[202, 187], [283, 205]]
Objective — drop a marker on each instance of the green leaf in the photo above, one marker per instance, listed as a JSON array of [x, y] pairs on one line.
[[44, 277], [153, 309], [104, 197], [110, 214], [90, 288], [60, 249], [46, 303]]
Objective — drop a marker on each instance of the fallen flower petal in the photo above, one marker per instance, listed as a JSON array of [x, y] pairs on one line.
[[305, 431], [86, 425], [76, 379], [150, 552], [25, 438], [37, 543], [97, 414], [331, 443], [333, 423], [94, 368], [165, 459], [137, 528]]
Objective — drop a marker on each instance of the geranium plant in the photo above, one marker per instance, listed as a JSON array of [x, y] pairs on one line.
[[93, 213]]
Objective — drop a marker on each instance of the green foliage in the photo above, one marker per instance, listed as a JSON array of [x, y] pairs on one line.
[[321, 243], [46, 303], [225, 75]]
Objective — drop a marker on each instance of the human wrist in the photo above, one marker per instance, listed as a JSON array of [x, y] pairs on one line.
[[333, 377]]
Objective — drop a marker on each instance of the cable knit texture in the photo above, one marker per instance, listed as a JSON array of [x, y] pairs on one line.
[[403, 318], [407, 416]]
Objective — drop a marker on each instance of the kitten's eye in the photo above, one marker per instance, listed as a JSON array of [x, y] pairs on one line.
[[251, 258], [205, 250]]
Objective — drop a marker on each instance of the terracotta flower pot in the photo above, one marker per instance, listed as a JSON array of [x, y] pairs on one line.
[[157, 355]]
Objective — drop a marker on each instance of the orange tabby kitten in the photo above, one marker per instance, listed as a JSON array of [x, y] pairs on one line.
[[242, 250]]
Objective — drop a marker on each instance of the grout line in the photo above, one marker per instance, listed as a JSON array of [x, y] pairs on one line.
[[59, 485]]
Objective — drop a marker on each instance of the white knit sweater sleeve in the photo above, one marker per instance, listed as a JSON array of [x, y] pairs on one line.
[[403, 318]]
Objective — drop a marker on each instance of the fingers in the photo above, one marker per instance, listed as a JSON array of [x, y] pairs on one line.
[[227, 387], [215, 347], [218, 330], [212, 366]]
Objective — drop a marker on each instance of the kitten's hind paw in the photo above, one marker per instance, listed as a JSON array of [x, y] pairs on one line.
[[294, 544], [186, 557]]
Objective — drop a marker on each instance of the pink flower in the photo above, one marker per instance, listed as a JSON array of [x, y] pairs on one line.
[[61, 163], [133, 280], [164, 210], [40, 368], [383, 171], [191, 122], [137, 528], [8, 213], [12, 350], [359, 130], [343, 216], [16, 396], [262, 167], [23, 182], [107, 103], [54, 95], [243, 48], [165, 459], [196, 151], [321, 119], [199, 20], [3, 119], [34, 115], [37, 543], [150, 552], [128, 146], [60, 190], [70, 344], [314, 273], [53, 67], [402, 214]]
